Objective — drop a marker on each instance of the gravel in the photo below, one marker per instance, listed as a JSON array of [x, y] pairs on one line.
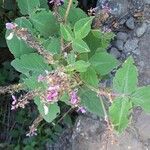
[[119, 45], [141, 30], [130, 23], [131, 45], [122, 36], [115, 52]]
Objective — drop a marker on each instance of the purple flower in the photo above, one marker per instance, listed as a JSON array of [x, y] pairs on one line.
[[81, 109], [10, 26], [57, 2], [52, 93], [13, 107], [32, 132], [74, 99]]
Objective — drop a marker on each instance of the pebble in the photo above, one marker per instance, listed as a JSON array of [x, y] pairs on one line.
[[130, 23], [141, 30], [122, 36], [147, 1], [115, 52], [119, 45], [131, 45]]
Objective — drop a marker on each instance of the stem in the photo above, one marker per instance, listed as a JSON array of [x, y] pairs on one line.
[[68, 9]]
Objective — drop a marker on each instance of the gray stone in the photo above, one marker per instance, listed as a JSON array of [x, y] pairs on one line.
[[119, 44], [147, 1], [143, 126], [141, 30], [115, 52], [131, 45], [118, 8], [122, 36], [130, 23]]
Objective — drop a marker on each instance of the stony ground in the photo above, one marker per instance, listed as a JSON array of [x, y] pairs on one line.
[[133, 38]]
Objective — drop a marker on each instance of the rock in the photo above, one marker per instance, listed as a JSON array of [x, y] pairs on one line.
[[119, 44], [115, 52], [122, 36], [131, 45], [130, 23], [87, 134], [91, 134], [141, 30], [143, 126], [118, 8], [147, 1], [137, 5]]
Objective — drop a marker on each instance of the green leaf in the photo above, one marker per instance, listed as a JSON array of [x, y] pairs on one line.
[[30, 64], [44, 22], [66, 32], [125, 80], [90, 77], [81, 66], [91, 102], [65, 98], [119, 113], [53, 45], [82, 27], [24, 23], [48, 111], [28, 6], [44, 4], [17, 46], [103, 62], [141, 97], [80, 46], [33, 84]]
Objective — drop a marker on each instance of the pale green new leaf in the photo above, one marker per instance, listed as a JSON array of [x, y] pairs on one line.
[[66, 32], [82, 27], [125, 80], [103, 62], [141, 97], [44, 22], [48, 111], [91, 101], [80, 46], [90, 77], [119, 113], [30, 64], [28, 6]]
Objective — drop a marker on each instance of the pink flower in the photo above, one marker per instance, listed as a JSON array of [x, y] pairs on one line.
[[10, 26], [32, 132], [74, 99], [52, 93], [81, 109]]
